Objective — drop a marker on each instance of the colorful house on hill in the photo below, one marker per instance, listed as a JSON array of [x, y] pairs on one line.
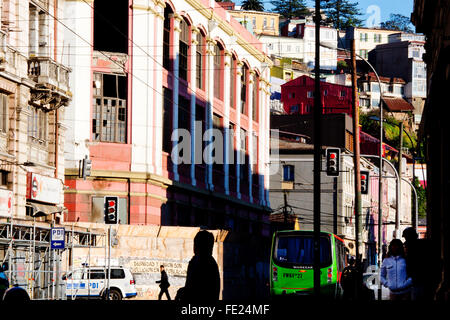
[[297, 97]]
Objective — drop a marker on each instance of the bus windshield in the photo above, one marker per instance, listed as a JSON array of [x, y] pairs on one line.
[[299, 250]]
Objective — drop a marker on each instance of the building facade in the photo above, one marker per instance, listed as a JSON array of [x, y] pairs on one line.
[[34, 89], [174, 65], [297, 97], [258, 22], [402, 57], [366, 39]]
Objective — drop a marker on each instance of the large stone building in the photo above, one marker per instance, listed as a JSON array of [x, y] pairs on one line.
[[34, 88], [172, 65]]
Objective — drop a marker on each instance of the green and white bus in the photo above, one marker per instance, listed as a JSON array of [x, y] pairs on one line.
[[291, 263]]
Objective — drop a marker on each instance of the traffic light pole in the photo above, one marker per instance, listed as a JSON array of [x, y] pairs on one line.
[[356, 158], [317, 153], [109, 263]]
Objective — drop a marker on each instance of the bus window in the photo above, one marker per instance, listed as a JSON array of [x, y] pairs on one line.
[[299, 250]]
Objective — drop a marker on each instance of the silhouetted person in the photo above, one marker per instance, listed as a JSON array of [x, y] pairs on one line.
[[163, 284], [203, 278], [4, 283], [16, 294], [351, 280], [420, 265], [393, 272]]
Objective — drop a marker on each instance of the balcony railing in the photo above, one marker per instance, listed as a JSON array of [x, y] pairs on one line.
[[47, 72]]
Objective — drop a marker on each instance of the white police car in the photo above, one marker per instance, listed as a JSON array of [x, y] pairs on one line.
[[92, 283]]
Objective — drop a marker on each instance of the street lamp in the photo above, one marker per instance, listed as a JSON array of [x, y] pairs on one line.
[[380, 207]]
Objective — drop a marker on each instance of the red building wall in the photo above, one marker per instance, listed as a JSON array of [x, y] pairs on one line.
[[335, 98]]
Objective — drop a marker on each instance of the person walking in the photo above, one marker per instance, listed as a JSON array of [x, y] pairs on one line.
[[203, 278], [163, 284], [393, 272]]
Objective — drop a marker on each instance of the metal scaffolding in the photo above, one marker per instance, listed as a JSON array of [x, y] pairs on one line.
[[25, 245]]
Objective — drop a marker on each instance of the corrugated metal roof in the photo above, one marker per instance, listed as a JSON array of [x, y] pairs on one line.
[[397, 104]]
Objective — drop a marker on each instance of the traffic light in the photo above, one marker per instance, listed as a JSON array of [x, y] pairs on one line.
[[333, 159], [111, 208], [85, 168], [364, 182]]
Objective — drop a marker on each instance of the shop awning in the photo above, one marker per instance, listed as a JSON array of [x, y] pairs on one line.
[[42, 210]]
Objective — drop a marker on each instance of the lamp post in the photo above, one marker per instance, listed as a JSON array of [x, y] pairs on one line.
[[380, 207]]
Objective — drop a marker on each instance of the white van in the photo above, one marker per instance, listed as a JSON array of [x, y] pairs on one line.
[[92, 283]]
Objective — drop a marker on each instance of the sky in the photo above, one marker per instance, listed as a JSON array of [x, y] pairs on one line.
[[374, 11]]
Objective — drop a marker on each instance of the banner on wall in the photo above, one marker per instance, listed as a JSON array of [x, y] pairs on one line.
[[43, 188], [6, 203]]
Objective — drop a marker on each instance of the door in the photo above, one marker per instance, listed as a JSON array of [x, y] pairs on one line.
[[75, 284], [96, 282]]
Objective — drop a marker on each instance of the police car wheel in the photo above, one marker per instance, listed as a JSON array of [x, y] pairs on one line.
[[114, 295]]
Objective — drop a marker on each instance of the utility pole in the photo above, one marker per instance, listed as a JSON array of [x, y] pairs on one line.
[[335, 209], [317, 154], [356, 158], [109, 264], [399, 189]]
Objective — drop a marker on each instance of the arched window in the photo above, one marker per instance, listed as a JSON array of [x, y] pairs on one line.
[[255, 101], [233, 82], [184, 50], [167, 37], [200, 60], [244, 78], [218, 60]]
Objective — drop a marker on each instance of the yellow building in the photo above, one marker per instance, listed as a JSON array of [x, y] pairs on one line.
[[258, 22]]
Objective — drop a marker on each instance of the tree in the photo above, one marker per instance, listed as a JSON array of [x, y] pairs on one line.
[[290, 8], [255, 5], [342, 13], [397, 22]]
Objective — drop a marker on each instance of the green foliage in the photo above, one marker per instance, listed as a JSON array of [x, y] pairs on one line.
[[290, 8], [422, 198], [397, 22], [255, 5], [342, 13]]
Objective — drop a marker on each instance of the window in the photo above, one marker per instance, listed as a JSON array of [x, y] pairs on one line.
[[37, 125], [184, 114], [254, 22], [167, 120], [416, 53], [342, 93], [217, 72], [363, 53], [255, 101], [3, 113], [200, 57], [217, 124], [299, 250], [364, 102], [377, 38], [107, 38], [184, 50], [288, 173], [166, 38], [297, 49], [110, 108], [272, 23], [310, 94], [265, 23], [325, 92], [4, 178], [375, 87], [255, 158], [200, 116], [291, 95], [97, 274], [288, 48], [233, 82], [244, 89], [375, 102], [243, 156], [294, 109], [117, 274]]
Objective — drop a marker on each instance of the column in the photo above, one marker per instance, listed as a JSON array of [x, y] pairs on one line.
[[158, 75], [176, 81], [250, 132], [209, 105], [261, 140], [193, 86], [238, 124], [226, 120]]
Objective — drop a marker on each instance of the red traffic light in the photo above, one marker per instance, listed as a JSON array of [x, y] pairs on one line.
[[363, 177], [332, 155], [111, 203]]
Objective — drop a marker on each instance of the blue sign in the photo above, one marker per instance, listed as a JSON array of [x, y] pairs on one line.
[[57, 238]]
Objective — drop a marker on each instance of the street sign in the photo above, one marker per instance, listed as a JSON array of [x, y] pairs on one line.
[[57, 238]]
